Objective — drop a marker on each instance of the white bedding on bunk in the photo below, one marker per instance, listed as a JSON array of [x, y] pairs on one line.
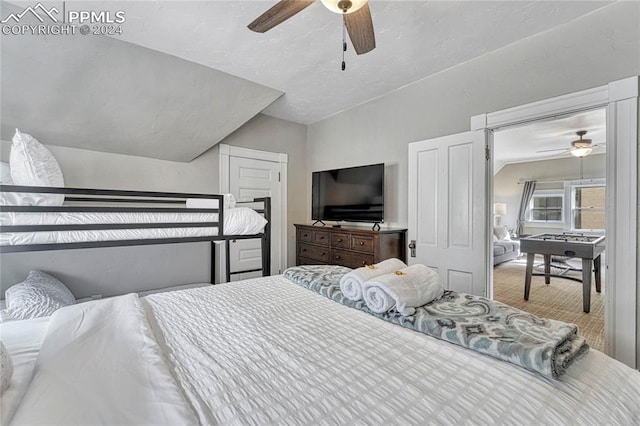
[[237, 221], [266, 351], [22, 340]]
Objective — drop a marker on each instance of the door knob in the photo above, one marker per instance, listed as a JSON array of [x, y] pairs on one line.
[[412, 247]]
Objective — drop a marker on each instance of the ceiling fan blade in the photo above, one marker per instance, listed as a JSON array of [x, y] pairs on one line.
[[557, 149], [279, 13], [360, 27]]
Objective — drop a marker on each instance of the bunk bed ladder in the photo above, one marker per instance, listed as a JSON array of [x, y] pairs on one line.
[[265, 246]]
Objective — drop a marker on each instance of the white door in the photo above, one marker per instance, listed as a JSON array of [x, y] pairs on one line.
[[251, 178], [447, 209]]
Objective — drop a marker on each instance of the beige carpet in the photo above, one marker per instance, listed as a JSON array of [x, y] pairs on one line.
[[561, 300]]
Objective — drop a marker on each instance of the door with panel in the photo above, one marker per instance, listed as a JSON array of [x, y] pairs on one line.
[[448, 219], [251, 178]]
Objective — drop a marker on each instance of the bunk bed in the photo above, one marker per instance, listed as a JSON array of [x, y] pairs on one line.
[[93, 218]]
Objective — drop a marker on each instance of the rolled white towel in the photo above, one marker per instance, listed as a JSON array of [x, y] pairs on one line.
[[405, 289], [211, 203], [351, 283]]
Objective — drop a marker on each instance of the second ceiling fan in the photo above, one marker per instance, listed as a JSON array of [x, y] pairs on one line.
[[579, 148], [355, 13]]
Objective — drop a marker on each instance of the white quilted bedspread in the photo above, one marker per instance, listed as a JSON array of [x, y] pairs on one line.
[[266, 351]]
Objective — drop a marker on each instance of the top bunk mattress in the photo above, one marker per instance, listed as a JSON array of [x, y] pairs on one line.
[[237, 221]]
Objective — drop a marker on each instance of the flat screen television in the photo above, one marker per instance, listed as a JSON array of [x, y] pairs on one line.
[[354, 194]]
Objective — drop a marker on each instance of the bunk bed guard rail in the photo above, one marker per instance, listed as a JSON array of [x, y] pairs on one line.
[[152, 206]]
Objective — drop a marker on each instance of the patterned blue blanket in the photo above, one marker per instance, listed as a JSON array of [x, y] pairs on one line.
[[541, 345]]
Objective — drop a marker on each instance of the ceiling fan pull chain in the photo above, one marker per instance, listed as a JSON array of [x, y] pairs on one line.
[[344, 44]]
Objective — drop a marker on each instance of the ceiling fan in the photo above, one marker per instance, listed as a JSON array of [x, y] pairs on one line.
[[579, 147], [355, 14]]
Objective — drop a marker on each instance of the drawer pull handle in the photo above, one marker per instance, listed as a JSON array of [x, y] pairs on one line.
[[361, 243], [339, 240], [305, 235], [303, 250], [337, 257], [364, 263], [323, 254], [322, 237]]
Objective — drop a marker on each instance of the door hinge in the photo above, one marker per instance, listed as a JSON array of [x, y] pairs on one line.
[[487, 153], [278, 176]]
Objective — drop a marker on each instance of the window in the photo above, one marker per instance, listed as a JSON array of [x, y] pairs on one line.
[[546, 207], [588, 207]]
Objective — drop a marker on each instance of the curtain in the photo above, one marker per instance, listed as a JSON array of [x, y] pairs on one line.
[[527, 192]]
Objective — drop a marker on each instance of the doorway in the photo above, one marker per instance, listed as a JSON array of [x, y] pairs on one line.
[[248, 174], [566, 195], [620, 98]]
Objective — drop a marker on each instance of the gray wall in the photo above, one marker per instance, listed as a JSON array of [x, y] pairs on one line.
[[588, 52], [110, 271], [507, 190]]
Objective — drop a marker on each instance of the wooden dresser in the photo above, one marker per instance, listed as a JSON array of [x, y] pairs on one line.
[[348, 246]]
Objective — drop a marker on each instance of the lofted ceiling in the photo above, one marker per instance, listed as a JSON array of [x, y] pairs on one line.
[[185, 74], [301, 57]]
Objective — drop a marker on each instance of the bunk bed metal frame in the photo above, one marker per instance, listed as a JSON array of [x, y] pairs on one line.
[[174, 202]]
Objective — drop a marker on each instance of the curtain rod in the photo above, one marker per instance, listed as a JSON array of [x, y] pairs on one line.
[[520, 182]]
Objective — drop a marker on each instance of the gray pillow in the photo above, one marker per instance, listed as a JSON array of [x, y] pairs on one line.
[[40, 295]]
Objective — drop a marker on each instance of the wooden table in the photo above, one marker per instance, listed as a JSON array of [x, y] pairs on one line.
[[587, 247]]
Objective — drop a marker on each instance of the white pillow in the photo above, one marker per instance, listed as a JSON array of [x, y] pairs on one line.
[[40, 295], [32, 164], [495, 239], [6, 368], [5, 173], [9, 198], [502, 233], [243, 221]]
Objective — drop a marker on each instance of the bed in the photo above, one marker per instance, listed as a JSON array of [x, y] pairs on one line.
[[270, 351], [108, 218]]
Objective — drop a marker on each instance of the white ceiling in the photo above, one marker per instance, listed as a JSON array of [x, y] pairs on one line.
[[185, 74], [524, 143], [302, 56]]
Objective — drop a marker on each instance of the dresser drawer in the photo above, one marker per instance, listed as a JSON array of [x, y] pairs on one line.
[[340, 240], [362, 243], [321, 254], [350, 259], [305, 235], [321, 237]]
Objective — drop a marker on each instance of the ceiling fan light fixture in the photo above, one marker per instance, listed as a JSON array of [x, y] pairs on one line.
[[581, 152], [581, 147], [344, 7]]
